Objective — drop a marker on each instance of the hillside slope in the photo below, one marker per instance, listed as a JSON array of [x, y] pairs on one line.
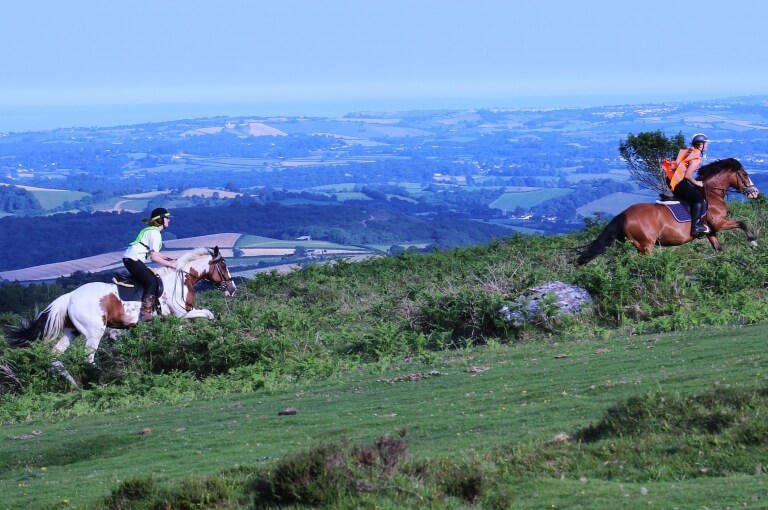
[[660, 380]]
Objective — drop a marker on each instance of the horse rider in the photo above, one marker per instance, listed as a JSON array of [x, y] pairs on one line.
[[145, 247], [686, 187]]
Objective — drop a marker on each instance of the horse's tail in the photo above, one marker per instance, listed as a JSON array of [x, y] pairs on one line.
[[612, 232], [47, 324]]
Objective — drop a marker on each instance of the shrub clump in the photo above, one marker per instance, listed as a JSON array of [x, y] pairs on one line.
[[328, 473], [712, 412]]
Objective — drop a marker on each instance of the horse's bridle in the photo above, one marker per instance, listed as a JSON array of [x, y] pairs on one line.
[[223, 285], [745, 189], [225, 281]]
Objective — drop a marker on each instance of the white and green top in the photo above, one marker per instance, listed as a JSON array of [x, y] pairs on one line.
[[148, 240]]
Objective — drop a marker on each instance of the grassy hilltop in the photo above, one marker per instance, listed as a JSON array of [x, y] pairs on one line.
[[395, 383]]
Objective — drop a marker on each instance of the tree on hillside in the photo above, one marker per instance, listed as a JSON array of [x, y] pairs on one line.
[[14, 199], [644, 153]]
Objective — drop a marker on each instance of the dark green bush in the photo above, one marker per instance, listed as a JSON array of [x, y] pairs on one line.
[[712, 412]]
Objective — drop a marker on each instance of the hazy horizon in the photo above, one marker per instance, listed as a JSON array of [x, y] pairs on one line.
[[46, 118], [81, 63]]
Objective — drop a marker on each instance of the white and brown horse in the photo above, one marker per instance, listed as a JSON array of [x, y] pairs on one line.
[[92, 308]]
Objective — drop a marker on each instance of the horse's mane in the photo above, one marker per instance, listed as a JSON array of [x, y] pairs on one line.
[[187, 259], [714, 168]]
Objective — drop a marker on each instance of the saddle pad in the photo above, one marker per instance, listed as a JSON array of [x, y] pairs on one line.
[[129, 289], [680, 212], [130, 293]]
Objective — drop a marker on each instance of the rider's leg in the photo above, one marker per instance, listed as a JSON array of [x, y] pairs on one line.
[[148, 281], [147, 307], [694, 195], [697, 228]]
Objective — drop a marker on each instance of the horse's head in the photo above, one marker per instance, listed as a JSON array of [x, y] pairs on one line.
[[219, 273], [208, 265], [728, 173]]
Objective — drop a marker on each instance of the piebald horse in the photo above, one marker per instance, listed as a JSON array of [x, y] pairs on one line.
[[648, 225], [92, 308]]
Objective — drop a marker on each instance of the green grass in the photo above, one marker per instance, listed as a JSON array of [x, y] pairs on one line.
[[50, 199], [485, 402], [671, 418]]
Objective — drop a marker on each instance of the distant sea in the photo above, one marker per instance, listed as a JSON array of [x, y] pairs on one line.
[[44, 118]]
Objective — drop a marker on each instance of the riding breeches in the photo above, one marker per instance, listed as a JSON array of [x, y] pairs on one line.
[[690, 192], [143, 275]]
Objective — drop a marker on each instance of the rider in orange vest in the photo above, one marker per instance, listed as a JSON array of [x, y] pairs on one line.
[[686, 187]]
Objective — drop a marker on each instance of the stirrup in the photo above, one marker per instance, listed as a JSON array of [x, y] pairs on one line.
[[701, 231]]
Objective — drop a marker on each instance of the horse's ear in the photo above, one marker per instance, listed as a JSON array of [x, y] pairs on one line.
[[215, 251]]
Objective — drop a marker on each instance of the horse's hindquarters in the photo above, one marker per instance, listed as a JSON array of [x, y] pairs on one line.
[[99, 303], [649, 225]]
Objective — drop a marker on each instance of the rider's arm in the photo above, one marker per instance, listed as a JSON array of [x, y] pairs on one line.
[[162, 260], [693, 165]]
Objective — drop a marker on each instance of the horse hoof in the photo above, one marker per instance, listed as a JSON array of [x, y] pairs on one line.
[[753, 244]]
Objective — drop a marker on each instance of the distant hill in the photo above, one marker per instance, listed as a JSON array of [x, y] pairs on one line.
[[243, 253], [35, 241], [438, 177]]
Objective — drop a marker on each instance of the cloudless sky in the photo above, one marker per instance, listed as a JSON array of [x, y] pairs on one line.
[[105, 62]]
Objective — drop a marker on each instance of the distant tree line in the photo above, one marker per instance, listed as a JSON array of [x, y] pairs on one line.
[[40, 240]]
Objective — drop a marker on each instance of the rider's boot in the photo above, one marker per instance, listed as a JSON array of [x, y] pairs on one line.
[[147, 308], [697, 228]]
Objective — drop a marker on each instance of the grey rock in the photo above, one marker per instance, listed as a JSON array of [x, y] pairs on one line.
[[545, 302]]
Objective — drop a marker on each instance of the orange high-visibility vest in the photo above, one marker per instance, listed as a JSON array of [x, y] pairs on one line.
[[675, 170]]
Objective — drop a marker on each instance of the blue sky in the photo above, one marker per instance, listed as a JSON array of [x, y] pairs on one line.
[[103, 62]]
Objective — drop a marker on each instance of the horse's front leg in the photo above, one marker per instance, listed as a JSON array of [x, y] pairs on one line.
[[728, 224], [179, 307], [199, 313]]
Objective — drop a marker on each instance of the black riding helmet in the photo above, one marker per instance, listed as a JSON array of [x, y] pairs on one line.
[[159, 213]]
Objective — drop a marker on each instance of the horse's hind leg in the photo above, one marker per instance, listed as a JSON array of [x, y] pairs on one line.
[[715, 242], [92, 331], [58, 368], [68, 334], [643, 245]]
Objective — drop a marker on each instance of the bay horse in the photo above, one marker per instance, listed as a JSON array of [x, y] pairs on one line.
[[652, 224], [93, 307]]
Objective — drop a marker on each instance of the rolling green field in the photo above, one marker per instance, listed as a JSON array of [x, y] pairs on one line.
[[465, 405], [51, 198], [527, 199], [253, 241], [614, 203]]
